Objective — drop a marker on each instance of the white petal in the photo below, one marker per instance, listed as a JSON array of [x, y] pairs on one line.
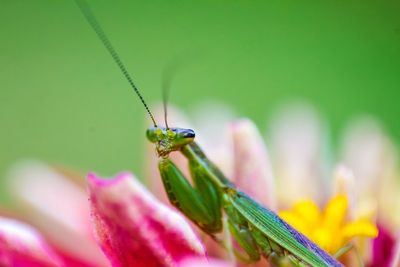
[[368, 151], [58, 207], [297, 137], [252, 168]]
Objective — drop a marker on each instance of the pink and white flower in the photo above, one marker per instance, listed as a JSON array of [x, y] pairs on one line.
[[123, 224]]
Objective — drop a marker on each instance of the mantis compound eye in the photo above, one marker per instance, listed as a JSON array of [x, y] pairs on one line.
[[189, 133], [183, 133]]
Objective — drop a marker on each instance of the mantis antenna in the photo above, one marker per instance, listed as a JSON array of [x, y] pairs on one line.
[[91, 19], [165, 102], [166, 85], [168, 74]]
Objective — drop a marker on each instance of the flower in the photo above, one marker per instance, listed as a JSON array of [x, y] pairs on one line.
[[131, 227], [135, 229], [383, 249], [55, 202], [366, 151], [124, 224], [373, 157], [329, 228], [21, 245]]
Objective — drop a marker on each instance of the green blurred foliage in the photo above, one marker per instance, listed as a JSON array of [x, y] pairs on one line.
[[63, 100]]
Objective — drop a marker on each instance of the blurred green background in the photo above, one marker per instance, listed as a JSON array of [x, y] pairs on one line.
[[63, 100]]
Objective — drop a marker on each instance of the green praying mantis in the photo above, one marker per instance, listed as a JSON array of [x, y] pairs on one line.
[[257, 230]]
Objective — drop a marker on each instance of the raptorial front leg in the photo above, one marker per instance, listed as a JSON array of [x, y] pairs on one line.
[[209, 192], [190, 201]]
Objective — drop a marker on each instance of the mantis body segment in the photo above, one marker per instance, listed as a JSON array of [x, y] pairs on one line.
[[258, 230]]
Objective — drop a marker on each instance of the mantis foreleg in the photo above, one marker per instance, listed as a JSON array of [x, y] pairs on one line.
[[196, 203]]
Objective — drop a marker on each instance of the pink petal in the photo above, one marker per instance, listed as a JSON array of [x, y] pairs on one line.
[[395, 260], [59, 209], [22, 246], [201, 262], [383, 248], [135, 229], [252, 168]]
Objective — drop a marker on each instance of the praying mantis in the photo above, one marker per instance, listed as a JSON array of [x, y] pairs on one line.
[[257, 230]]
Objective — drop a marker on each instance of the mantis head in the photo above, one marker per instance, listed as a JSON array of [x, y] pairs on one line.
[[169, 139]]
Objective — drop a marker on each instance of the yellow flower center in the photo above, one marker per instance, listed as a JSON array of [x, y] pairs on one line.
[[330, 229]]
